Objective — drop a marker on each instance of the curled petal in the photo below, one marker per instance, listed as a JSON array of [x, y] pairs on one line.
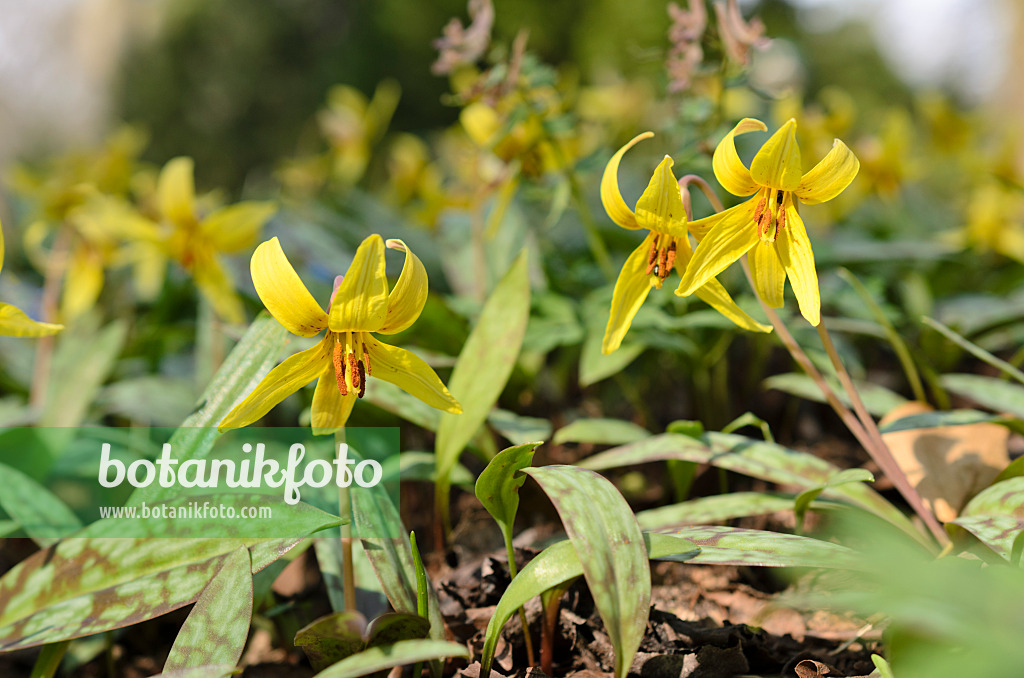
[[660, 208], [282, 292], [777, 164], [767, 272], [285, 379], [611, 197], [14, 323], [330, 409], [361, 301], [829, 177], [631, 289], [729, 169], [176, 191], [405, 303], [732, 233], [236, 227], [411, 374], [794, 249]]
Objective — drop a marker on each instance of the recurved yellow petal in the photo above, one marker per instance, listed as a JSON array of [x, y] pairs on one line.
[[14, 322], [829, 177], [409, 373], [777, 164], [631, 289], [283, 293], [768, 274], [732, 233], [82, 283], [729, 169], [236, 227], [361, 301], [794, 249], [611, 197], [176, 191], [660, 208], [216, 286], [285, 379], [330, 409], [405, 303]]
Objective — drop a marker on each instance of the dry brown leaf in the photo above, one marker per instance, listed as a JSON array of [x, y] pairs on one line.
[[947, 464]]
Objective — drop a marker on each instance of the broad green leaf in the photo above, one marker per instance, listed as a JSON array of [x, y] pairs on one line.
[[1004, 498], [497, 488], [714, 509], [84, 358], [386, 657], [209, 671], [737, 546], [1013, 470], [218, 625], [595, 366], [390, 398], [82, 586], [975, 350], [394, 627], [990, 392], [804, 499], [950, 418], [517, 429], [877, 399], [998, 532], [556, 565], [485, 364], [600, 432], [154, 400], [252, 358], [44, 517], [606, 536], [421, 466], [332, 638]]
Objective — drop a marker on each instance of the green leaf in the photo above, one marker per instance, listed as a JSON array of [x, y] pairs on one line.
[[950, 418], [43, 516], [990, 392], [252, 358], [390, 398], [154, 400], [218, 625], [1004, 498], [485, 364], [737, 546], [998, 532], [804, 499], [210, 671], [386, 657], [606, 536], [877, 399], [595, 366], [83, 586], [330, 639], [84, 358], [517, 429], [714, 509], [975, 350], [600, 432], [421, 466], [556, 565], [394, 627], [497, 488], [7, 527]]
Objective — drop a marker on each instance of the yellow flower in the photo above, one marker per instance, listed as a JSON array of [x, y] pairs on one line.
[[347, 354], [14, 322], [353, 124], [660, 210], [768, 225]]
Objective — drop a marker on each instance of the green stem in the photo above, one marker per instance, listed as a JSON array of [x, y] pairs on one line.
[[49, 659], [512, 572], [345, 513]]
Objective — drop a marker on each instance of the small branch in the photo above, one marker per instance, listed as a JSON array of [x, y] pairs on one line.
[[705, 188]]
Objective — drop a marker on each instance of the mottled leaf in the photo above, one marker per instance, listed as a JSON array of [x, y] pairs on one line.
[[209, 671], [998, 532], [600, 432], [877, 399], [804, 499], [44, 517], [1005, 498], [393, 627], [995, 394], [497, 488], [485, 364], [605, 534], [218, 624], [714, 509], [332, 638], [949, 418], [737, 546], [385, 657], [556, 565]]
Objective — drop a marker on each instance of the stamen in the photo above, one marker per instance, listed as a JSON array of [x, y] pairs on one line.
[[662, 261], [339, 369], [652, 256], [362, 379], [670, 259], [354, 372], [759, 211], [366, 360], [782, 221]]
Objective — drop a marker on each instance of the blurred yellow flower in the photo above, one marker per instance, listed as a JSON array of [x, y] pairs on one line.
[[660, 210], [14, 322], [347, 354], [995, 220], [768, 225], [353, 124]]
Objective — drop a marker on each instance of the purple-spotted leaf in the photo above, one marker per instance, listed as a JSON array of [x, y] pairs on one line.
[[998, 532], [332, 638], [1005, 498], [393, 627], [385, 657], [554, 566], [208, 671], [737, 546], [606, 536], [218, 625], [497, 488], [83, 586], [714, 509]]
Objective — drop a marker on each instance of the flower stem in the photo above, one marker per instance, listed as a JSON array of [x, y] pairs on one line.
[[345, 512], [53, 276]]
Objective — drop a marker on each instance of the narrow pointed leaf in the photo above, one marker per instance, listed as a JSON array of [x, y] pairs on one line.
[[209, 671], [878, 400], [714, 509], [497, 488], [736, 546], [218, 625], [605, 534], [998, 532], [385, 657], [990, 392], [43, 516], [1005, 498], [330, 639], [600, 432]]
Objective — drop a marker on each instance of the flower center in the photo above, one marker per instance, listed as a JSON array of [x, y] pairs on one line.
[[661, 258], [770, 214], [351, 363]]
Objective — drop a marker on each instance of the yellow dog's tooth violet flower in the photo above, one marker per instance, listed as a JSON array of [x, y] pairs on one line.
[[348, 353], [768, 225], [14, 322], [659, 210]]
